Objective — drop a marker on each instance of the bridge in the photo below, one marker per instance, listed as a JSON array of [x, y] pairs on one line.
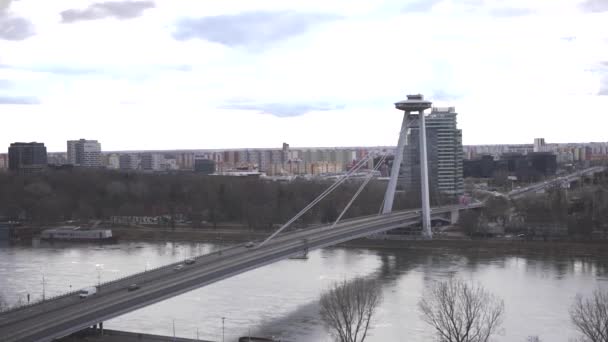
[[561, 180], [62, 316]]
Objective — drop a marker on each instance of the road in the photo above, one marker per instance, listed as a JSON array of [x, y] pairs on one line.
[[516, 193], [63, 316]]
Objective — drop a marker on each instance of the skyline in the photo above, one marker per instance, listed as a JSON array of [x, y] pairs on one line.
[[147, 75]]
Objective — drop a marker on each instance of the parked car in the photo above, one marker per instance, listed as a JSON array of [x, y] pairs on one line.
[[190, 261], [133, 287], [249, 244], [178, 267]]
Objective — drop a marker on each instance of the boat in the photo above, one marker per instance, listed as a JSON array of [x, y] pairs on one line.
[[77, 234]]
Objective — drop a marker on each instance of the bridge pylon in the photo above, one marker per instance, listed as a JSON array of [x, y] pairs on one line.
[[417, 104]]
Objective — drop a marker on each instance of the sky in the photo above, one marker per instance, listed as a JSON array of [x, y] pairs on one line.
[[197, 74]]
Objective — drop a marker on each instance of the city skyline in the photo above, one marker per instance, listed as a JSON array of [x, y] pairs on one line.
[[167, 74]]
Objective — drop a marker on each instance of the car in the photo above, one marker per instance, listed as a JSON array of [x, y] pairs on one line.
[[249, 244], [133, 287], [189, 261], [178, 267], [84, 293]]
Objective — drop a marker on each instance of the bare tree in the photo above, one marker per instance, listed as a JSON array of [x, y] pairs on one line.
[[3, 303], [461, 312], [590, 316], [348, 307]]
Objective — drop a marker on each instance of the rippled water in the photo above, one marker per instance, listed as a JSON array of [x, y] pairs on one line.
[[281, 299]]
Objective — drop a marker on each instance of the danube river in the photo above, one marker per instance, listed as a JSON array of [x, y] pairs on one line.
[[281, 299]]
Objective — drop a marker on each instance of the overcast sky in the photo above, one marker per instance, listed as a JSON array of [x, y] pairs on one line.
[[167, 74]]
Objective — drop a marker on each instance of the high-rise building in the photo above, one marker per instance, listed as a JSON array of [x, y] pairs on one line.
[[27, 157], [444, 154], [3, 161], [539, 145], [285, 153], [185, 160], [128, 161], [150, 161], [85, 153]]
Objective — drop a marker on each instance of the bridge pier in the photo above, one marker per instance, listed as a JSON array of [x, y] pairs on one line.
[[414, 103]]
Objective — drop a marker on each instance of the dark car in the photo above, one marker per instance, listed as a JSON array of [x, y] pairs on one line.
[[133, 287]]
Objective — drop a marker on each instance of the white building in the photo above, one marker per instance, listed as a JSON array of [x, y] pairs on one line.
[[85, 153], [540, 145], [113, 161]]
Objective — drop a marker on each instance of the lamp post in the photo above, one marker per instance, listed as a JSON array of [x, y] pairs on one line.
[[43, 287], [223, 318]]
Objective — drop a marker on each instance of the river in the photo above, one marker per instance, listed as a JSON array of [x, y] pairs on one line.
[[281, 299]]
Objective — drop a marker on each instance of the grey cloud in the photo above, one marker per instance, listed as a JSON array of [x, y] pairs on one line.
[[18, 100], [249, 28], [595, 5], [108, 9], [12, 27], [283, 109]]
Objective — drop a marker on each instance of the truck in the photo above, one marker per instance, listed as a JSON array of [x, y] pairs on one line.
[[87, 291]]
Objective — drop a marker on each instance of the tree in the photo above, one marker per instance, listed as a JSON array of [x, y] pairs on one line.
[[461, 312], [3, 303], [469, 221], [348, 307], [590, 316]]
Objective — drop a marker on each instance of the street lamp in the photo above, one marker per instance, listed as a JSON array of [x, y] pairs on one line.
[[223, 318], [43, 287]]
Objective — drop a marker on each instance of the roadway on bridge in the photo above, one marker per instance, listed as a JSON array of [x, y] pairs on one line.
[[62, 316], [516, 193]]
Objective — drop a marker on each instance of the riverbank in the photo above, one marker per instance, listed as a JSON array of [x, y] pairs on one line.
[[512, 246], [187, 234]]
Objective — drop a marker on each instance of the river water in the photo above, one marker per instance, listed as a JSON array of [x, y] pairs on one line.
[[281, 299]]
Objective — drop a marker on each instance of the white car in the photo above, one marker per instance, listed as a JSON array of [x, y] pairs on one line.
[[249, 244], [84, 293]]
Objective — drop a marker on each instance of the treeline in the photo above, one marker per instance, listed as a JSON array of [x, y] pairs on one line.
[[580, 211], [62, 195]]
